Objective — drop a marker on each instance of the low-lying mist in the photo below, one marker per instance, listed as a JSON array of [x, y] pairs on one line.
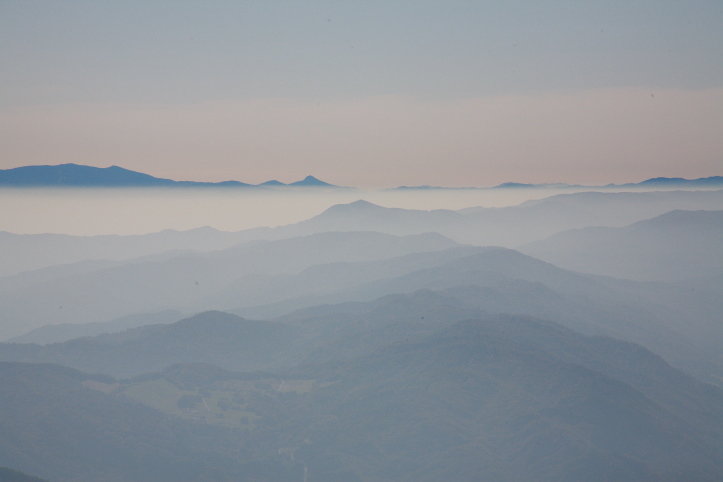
[[89, 212]]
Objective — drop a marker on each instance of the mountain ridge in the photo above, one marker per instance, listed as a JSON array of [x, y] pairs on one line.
[[77, 175], [646, 250]]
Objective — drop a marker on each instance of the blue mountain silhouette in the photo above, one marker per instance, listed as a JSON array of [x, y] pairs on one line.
[[75, 175]]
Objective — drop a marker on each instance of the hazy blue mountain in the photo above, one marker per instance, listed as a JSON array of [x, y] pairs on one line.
[[713, 181], [211, 337], [680, 324], [658, 182], [512, 399], [578, 210], [66, 331], [74, 175], [462, 266], [475, 400], [25, 252], [10, 475], [514, 409], [489, 398], [266, 280], [40, 275], [273, 182], [65, 426], [78, 176], [673, 246], [677, 322], [310, 181], [508, 226], [320, 283], [177, 282]]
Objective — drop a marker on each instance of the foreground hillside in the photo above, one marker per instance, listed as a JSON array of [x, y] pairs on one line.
[[502, 398], [59, 424]]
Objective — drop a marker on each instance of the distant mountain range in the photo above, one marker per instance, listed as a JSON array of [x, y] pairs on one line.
[[656, 183], [184, 278], [74, 175], [672, 247], [511, 227]]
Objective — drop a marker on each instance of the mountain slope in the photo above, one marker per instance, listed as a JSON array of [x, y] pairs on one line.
[[681, 324], [25, 252], [10, 475], [211, 337], [142, 286], [310, 181], [67, 426], [501, 398], [65, 331], [509, 226], [487, 281], [492, 398], [472, 403], [78, 176], [74, 175], [712, 181], [670, 247]]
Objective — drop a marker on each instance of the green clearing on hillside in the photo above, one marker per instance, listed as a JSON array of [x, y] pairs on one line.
[[225, 403]]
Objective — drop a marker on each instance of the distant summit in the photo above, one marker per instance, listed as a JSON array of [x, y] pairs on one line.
[[657, 182], [680, 182], [75, 175], [516, 185], [311, 181]]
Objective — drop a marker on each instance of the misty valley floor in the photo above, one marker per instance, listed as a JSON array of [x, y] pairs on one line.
[[573, 338]]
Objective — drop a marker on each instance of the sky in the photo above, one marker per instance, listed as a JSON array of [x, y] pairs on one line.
[[368, 94]]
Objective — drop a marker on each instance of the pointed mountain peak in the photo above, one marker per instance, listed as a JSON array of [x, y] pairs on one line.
[[311, 181]]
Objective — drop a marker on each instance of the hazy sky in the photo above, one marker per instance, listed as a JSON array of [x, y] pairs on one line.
[[366, 93]]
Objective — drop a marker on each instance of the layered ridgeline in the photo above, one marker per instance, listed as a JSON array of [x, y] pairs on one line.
[[69, 294], [67, 331], [325, 351], [676, 322], [496, 397], [674, 246], [509, 227], [75, 175]]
